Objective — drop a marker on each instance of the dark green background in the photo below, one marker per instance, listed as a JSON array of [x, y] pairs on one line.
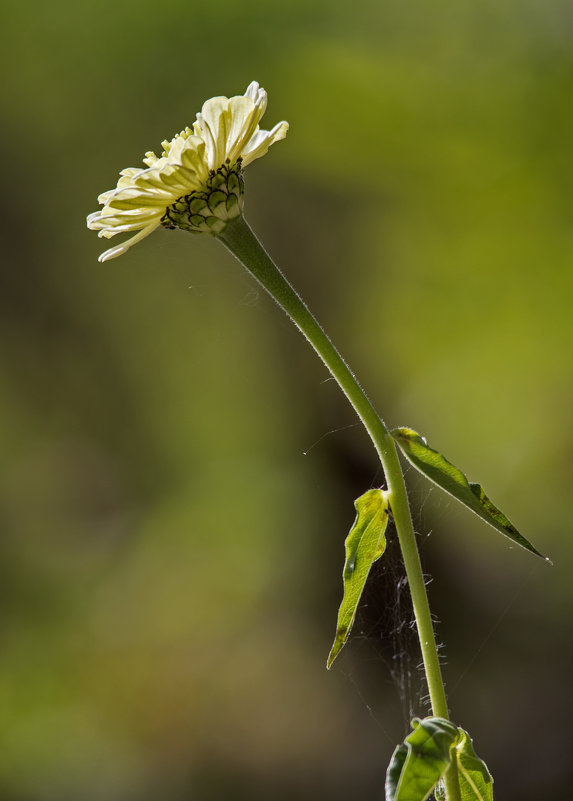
[[173, 508]]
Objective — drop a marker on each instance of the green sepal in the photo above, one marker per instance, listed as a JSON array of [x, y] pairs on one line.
[[364, 545], [419, 763], [443, 473], [476, 783]]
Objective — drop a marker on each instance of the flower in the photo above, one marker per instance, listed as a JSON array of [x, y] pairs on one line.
[[230, 128], [196, 184], [142, 196]]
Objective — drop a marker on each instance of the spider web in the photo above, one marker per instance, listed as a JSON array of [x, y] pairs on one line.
[[384, 633], [385, 625]]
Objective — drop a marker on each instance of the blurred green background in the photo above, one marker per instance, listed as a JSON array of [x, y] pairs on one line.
[[177, 476]]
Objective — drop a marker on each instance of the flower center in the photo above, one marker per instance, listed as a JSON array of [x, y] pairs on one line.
[[209, 210]]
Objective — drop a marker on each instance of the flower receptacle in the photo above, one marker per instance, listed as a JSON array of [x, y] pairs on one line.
[[211, 209]]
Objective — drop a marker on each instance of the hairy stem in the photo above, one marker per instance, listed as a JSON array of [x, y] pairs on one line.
[[244, 245]]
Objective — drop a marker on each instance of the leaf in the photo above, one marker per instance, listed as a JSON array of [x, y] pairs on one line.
[[364, 544], [419, 763], [437, 468], [394, 771], [440, 791], [476, 783]]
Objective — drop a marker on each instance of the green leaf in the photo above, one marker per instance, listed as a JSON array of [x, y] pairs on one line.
[[437, 468], [419, 763], [394, 771], [364, 544], [476, 783]]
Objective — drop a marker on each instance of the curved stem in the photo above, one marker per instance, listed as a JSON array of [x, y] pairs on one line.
[[244, 245]]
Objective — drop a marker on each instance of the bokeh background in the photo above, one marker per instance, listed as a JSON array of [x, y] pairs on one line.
[[177, 474]]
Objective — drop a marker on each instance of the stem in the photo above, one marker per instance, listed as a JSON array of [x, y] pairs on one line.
[[244, 245]]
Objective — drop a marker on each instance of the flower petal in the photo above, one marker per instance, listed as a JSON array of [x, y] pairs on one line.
[[118, 250], [262, 140], [245, 123], [212, 123], [257, 95], [230, 127]]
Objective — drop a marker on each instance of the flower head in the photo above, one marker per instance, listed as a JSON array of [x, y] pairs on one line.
[[196, 184]]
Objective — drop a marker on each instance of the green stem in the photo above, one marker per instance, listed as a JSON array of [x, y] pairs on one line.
[[244, 245]]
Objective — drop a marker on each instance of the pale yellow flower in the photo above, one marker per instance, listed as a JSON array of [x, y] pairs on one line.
[[230, 128], [196, 183], [142, 196]]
